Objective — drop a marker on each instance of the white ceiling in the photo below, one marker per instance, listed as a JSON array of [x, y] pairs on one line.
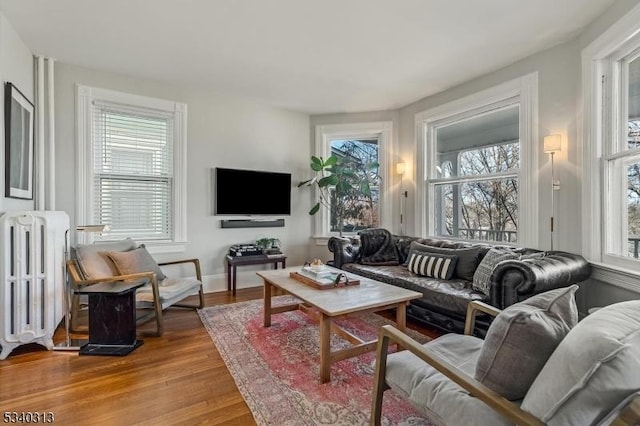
[[312, 56]]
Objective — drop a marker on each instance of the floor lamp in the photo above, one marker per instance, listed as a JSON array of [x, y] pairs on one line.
[[70, 344], [401, 169], [553, 144]]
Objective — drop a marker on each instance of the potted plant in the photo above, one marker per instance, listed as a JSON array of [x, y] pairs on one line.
[[341, 185], [268, 244]]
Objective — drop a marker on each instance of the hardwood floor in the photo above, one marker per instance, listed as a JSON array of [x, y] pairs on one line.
[[178, 378]]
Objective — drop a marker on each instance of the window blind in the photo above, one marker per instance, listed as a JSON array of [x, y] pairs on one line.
[[133, 171]]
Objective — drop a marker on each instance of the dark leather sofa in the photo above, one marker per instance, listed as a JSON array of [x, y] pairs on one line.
[[445, 301]]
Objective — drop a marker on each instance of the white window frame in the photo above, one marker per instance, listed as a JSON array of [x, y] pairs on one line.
[[522, 91], [381, 130], [600, 123], [85, 96]]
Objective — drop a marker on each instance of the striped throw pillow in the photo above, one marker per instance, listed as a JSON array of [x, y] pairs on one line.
[[433, 265]]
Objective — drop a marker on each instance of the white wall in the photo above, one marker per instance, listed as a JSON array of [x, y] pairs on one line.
[[560, 111], [16, 66], [222, 131]]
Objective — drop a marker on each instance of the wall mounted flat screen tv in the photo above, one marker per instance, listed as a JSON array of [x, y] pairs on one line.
[[252, 192]]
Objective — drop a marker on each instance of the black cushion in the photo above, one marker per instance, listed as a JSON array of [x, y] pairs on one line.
[[468, 258]]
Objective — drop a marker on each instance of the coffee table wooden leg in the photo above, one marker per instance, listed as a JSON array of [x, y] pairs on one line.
[[401, 319], [325, 348], [267, 304]]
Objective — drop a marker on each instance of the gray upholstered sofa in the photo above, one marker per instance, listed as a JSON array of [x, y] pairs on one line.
[[383, 257]]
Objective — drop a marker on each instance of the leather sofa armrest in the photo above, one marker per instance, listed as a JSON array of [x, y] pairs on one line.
[[516, 280], [344, 251]]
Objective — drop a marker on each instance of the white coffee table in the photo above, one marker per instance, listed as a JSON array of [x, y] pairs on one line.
[[326, 305]]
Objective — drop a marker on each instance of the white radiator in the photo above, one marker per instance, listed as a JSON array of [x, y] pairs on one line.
[[32, 262]]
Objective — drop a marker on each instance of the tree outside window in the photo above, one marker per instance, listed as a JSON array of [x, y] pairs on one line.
[[355, 200]]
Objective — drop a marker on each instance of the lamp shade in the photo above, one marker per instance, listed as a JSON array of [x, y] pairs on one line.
[[552, 143], [92, 228], [401, 168]]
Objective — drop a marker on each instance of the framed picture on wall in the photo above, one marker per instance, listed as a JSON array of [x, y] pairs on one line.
[[18, 131]]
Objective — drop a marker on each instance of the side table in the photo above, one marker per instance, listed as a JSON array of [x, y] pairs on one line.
[[112, 317], [234, 261]]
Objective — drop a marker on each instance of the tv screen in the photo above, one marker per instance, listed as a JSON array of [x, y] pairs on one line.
[[252, 192]]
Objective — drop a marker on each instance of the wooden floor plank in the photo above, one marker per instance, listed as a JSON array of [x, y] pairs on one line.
[[179, 378]]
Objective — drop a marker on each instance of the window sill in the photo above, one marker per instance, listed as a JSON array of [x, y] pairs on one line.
[[619, 277], [156, 247]]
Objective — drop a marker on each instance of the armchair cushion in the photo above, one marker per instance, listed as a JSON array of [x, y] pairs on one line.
[[592, 370], [134, 261], [93, 261], [522, 338], [440, 398], [171, 290]]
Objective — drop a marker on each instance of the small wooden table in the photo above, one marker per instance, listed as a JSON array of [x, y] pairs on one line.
[[262, 259], [326, 305], [112, 317]]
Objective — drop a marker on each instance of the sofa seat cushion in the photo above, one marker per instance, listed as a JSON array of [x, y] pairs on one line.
[[433, 393], [385, 274], [453, 295], [171, 290], [594, 368], [450, 295]]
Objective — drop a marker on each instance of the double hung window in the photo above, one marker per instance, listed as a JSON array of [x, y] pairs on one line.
[[133, 150], [475, 181]]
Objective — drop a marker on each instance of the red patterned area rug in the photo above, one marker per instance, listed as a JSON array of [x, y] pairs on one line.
[[277, 372]]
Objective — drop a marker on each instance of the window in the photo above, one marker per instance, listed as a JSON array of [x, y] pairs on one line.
[[477, 155], [358, 206], [133, 149], [362, 150], [620, 85], [611, 156]]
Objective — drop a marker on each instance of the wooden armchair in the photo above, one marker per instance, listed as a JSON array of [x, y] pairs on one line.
[[456, 397], [157, 295]]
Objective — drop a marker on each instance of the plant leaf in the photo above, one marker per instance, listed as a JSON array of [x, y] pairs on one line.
[[306, 182], [328, 180], [331, 161], [365, 188], [314, 209]]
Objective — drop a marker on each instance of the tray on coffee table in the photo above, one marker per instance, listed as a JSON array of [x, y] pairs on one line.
[[337, 279]]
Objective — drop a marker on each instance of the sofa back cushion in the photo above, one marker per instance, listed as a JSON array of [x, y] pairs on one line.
[[93, 261], [592, 370], [522, 338], [468, 258]]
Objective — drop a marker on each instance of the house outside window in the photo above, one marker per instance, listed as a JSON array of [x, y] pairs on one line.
[[611, 170], [477, 163], [358, 147], [484, 205], [132, 152]]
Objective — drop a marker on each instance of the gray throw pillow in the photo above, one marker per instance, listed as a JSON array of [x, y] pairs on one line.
[[433, 265], [468, 258], [135, 261], [521, 339], [482, 276], [592, 371]]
